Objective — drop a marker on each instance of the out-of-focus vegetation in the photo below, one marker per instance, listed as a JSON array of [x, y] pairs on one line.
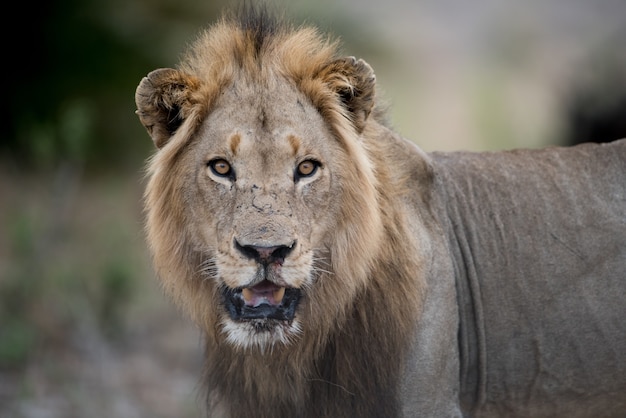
[[72, 68], [84, 329], [594, 109]]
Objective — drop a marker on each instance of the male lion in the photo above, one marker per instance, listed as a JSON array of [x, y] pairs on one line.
[[337, 270]]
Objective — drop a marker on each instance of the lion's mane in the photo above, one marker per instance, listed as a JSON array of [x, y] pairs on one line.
[[358, 315]]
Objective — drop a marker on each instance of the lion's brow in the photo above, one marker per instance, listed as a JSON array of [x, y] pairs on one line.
[[295, 142], [234, 143]]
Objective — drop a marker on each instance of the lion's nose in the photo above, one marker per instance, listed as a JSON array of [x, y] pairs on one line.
[[266, 254]]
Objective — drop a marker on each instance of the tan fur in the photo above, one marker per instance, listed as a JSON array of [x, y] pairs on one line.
[[318, 369]]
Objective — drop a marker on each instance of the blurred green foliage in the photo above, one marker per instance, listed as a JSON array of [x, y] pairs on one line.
[[72, 67]]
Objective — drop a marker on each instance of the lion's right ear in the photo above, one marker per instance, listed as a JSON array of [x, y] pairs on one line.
[[163, 101], [353, 80]]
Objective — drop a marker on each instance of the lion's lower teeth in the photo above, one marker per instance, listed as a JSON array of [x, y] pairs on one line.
[[278, 295]]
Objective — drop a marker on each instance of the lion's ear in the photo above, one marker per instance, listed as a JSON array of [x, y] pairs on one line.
[[163, 101], [354, 81]]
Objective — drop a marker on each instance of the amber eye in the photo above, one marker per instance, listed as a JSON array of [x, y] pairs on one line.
[[307, 168], [220, 167]]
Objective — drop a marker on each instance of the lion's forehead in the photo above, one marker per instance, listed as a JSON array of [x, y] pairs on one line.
[[263, 159], [270, 116]]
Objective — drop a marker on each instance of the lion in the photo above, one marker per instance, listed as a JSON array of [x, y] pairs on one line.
[[337, 270]]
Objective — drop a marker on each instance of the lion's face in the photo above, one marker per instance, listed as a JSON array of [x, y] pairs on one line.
[[262, 212], [262, 196]]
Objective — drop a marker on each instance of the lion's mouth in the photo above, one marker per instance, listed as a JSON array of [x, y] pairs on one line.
[[265, 300]]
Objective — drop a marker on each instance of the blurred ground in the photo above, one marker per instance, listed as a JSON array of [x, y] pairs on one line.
[[84, 328], [91, 334]]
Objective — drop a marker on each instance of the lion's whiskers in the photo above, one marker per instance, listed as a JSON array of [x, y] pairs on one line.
[[207, 268], [317, 261]]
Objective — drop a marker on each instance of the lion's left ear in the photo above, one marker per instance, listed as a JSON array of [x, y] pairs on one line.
[[354, 82]]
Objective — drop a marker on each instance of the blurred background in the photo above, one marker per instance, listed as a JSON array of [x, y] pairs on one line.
[[84, 328]]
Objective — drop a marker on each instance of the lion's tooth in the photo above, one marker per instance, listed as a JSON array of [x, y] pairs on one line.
[[278, 294], [247, 294]]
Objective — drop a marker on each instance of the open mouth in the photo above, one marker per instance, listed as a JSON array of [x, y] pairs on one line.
[[265, 300]]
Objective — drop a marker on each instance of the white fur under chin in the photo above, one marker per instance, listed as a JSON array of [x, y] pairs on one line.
[[245, 335]]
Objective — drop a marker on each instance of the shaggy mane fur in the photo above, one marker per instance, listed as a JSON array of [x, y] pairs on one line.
[[255, 46]]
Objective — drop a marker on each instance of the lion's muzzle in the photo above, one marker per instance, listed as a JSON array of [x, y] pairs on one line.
[[266, 297]]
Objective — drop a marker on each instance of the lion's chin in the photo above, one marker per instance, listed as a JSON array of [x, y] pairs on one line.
[[262, 334]]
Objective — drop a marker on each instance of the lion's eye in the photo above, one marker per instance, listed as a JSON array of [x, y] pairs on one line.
[[220, 167], [307, 168]]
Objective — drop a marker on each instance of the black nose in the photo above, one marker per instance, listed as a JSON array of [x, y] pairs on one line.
[[266, 255]]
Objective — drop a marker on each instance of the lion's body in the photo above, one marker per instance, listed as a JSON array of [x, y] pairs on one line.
[[538, 243], [337, 270]]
